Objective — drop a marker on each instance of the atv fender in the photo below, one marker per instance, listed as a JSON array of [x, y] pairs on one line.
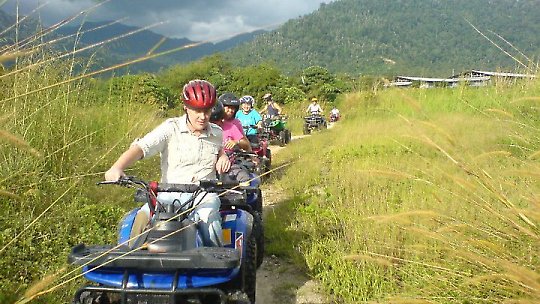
[[125, 225], [237, 226]]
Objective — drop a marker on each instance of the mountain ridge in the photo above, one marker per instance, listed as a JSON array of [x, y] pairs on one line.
[[137, 42], [381, 37]]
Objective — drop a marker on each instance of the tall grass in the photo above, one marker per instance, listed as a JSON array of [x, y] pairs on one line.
[[54, 145], [419, 196]]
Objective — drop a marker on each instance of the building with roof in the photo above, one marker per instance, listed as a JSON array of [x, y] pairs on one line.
[[474, 78]]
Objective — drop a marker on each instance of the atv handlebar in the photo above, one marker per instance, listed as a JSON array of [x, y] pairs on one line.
[[205, 185], [239, 152]]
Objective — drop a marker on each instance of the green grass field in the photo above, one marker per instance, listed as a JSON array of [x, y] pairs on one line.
[[419, 196]]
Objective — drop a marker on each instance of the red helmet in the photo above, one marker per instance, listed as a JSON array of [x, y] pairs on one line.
[[199, 95]]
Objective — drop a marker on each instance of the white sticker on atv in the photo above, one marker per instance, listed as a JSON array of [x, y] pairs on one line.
[[230, 217], [239, 241]]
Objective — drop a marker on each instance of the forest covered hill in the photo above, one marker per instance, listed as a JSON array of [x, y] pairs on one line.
[[433, 38], [388, 37]]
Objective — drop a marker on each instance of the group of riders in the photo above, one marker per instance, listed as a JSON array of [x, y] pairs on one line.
[[315, 109], [192, 215], [198, 145]]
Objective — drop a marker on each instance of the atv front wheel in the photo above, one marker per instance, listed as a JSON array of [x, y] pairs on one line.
[[288, 136], [91, 297], [258, 231], [282, 138], [246, 280], [249, 270]]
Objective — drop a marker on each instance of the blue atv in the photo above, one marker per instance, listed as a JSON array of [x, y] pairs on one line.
[[168, 263], [245, 170]]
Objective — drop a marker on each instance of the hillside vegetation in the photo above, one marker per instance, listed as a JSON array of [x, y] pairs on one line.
[[61, 130], [388, 37], [418, 196]]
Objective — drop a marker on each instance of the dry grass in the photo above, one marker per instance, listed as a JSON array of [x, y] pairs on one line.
[[18, 142], [444, 190]]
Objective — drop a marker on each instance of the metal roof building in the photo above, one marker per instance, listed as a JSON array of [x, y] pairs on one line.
[[475, 78]]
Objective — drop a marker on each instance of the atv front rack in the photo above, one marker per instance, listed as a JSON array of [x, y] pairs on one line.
[[209, 258], [145, 295]]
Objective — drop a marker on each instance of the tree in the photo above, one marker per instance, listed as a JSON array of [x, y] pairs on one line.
[[315, 77]]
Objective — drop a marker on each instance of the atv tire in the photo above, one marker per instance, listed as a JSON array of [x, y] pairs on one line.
[[246, 280], [269, 156], [306, 130], [282, 138], [258, 231], [288, 136], [91, 297], [259, 204]]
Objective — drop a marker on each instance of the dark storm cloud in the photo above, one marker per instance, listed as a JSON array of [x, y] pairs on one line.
[[197, 20]]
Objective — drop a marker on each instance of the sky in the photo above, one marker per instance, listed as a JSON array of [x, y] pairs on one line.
[[197, 20]]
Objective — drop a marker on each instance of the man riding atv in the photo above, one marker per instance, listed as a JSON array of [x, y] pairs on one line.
[[315, 121], [314, 107], [191, 150], [334, 114], [233, 136], [194, 240], [271, 108]]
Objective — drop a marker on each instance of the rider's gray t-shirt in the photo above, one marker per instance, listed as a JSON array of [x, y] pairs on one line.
[[185, 157]]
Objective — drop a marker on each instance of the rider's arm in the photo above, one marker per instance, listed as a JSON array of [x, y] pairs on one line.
[[257, 117], [133, 154], [149, 145], [278, 108], [244, 144], [223, 163]]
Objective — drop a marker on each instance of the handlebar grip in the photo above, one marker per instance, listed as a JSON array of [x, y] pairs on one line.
[[107, 182], [178, 188], [218, 184]]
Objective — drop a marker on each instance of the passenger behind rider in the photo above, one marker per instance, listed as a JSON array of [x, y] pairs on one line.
[[251, 119], [272, 108], [233, 132], [314, 108], [191, 150], [233, 135]]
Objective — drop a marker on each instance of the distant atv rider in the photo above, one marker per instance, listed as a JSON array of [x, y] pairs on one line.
[[314, 108], [334, 114], [251, 119], [191, 150], [272, 109]]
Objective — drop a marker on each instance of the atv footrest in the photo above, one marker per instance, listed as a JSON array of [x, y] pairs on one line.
[[197, 258]]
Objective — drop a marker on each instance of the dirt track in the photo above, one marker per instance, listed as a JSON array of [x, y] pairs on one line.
[[278, 281]]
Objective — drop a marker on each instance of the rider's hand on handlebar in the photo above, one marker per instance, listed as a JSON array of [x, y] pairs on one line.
[[223, 164], [230, 144], [114, 174]]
